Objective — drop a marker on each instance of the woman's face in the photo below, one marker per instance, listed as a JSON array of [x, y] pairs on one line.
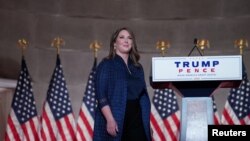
[[123, 42]]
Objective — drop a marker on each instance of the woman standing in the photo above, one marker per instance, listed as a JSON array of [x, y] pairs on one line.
[[123, 112]]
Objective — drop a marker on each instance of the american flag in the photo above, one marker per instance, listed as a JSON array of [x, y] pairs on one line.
[[85, 122], [57, 122], [237, 108], [23, 122], [165, 116], [216, 113]]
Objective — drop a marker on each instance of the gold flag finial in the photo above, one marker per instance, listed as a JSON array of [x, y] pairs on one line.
[[57, 43], [23, 44], [202, 44], [162, 46], [241, 44], [95, 46]]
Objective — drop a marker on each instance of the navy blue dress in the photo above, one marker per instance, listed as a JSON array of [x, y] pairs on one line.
[[133, 126], [111, 85]]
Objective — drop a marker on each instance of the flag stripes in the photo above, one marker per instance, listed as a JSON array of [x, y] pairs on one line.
[[165, 116], [216, 113], [237, 108], [85, 122], [57, 121], [164, 130], [23, 123]]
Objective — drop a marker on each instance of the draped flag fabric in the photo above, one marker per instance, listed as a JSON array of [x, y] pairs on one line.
[[165, 116], [85, 122], [23, 122], [237, 108], [216, 113], [57, 121]]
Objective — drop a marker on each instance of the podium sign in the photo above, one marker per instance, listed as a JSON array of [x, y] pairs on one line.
[[196, 78], [197, 68]]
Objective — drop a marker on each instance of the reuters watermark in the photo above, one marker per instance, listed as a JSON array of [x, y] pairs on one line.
[[241, 132]]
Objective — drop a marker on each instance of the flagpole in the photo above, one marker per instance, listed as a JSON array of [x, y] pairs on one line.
[[23, 44], [57, 42]]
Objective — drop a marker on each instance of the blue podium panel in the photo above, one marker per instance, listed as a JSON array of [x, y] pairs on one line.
[[197, 114]]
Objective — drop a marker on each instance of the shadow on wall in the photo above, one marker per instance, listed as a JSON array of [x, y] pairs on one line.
[[11, 68]]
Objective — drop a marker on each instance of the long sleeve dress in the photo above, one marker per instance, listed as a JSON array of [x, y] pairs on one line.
[[112, 89]]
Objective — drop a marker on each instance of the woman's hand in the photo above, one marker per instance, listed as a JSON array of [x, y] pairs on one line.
[[112, 127]]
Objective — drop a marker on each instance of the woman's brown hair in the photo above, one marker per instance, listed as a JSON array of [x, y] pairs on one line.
[[133, 54]]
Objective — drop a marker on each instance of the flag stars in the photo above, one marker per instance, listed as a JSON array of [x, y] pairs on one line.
[[89, 97], [245, 110], [240, 114], [164, 101], [169, 111], [23, 101], [233, 95], [240, 102], [232, 100]]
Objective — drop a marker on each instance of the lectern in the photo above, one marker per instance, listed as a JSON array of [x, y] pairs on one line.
[[195, 78]]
